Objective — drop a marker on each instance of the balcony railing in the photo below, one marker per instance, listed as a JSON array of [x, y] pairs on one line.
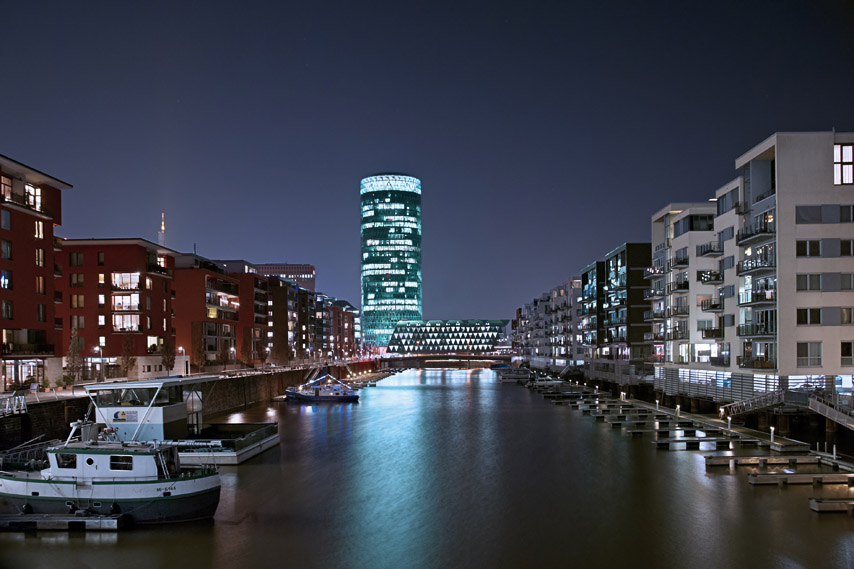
[[27, 349], [722, 361], [678, 261], [651, 272], [653, 315], [678, 310], [755, 231], [25, 201], [678, 334], [712, 333], [653, 337], [710, 277], [715, 304], [678, 286], [757, 297], [756, 363], [127, 329], [651, 293], [711, 249], [757, 329], [756, 265]]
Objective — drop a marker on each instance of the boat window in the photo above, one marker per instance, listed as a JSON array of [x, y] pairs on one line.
[[66, 460], [120, 462]]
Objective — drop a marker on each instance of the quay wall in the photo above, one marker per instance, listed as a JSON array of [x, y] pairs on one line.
[[228, 394]]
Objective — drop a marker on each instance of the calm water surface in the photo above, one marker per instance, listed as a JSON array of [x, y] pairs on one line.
[[451, 469]]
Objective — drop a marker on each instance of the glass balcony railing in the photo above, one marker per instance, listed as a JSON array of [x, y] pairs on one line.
[[711, 249], [757, 297], [756, 265]]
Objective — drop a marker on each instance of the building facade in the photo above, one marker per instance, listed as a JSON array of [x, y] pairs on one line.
[[446, 336], [303, 275], [783, 301], [117, 298], [391, 254], [31, 207]]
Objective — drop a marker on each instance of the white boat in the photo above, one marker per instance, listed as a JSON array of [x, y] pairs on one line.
[[325, 388], [143, 481]]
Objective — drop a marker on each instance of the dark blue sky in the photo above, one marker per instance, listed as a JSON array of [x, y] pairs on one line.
[[545, 133]]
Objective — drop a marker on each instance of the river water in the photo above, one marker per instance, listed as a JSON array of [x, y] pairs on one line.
[[446, 469]]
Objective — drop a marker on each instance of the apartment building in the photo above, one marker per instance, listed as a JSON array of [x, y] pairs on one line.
[[614, 306], [784, 315], [31, 207], [301, 274], [118, 296], [207, 310]]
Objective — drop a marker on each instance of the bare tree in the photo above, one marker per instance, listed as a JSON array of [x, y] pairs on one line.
[[127, 361], [246, 346], [167, 353], [198, 346], [74, 358], [263, 352]]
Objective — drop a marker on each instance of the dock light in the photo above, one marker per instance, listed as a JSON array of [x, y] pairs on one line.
[[772, 434], [729, 423], [656, 404], [677, 410], [622, 396]]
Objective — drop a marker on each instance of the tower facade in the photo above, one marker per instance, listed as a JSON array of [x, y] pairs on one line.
[[391, 254]]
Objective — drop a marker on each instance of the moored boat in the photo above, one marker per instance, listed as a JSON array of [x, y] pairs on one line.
[[325, 388], [143, 480]]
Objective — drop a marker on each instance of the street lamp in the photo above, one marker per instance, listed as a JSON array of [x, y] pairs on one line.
[[100, 361], [233, 356]]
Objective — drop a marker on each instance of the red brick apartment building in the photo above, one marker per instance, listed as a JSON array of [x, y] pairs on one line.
[[207, 311], [118, 291], [31, 206]]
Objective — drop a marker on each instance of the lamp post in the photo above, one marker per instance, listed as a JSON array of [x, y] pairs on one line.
[[233, 354], [181, 351], [100, 351]]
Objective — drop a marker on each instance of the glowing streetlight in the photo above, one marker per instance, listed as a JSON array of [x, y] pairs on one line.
[[772, 434]]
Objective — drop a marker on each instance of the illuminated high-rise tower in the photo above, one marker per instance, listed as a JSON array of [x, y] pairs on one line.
[[161, 235], [391, 254]]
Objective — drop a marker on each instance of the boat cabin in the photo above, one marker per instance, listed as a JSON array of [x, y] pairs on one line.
[[94, 460]]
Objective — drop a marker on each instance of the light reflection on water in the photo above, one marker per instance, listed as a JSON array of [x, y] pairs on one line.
[[446, 468]]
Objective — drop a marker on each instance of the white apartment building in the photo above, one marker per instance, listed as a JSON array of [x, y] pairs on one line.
[[779, 302]]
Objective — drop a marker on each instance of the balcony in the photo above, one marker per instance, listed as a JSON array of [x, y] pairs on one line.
[[678, 334], [756, 363], [57, 296], [758, 297], [57, 270], [652, 272], [57, 244], [157, 269], [712, 305], [755, 232], [28, 203], [678, 311], [27, 349], [650, 315], [653, 293], [127, 329], [713, 333], [679, 287], [615, 321], [720, 361], [710, 277], [711, 249], [753, 266], [754, 329], [679, 261]]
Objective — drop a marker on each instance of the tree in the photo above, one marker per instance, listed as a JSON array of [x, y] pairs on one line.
[[246, 346], [198, 347], [263, 352], [127, 361], [73, 358], [167, 353]]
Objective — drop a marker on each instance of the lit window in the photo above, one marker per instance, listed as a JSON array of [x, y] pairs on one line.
[[39, 230], [843, 164]]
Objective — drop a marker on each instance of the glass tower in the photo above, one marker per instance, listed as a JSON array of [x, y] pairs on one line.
[[391, 254]]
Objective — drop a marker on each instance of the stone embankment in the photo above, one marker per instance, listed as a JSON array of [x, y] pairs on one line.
[[49, 417]]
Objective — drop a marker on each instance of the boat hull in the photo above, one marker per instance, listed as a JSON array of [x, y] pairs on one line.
[[148, 502]]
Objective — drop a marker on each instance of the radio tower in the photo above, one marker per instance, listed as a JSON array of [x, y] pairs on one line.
[[161, 235]]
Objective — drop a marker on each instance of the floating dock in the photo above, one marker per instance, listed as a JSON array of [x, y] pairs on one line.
[[63, 522]]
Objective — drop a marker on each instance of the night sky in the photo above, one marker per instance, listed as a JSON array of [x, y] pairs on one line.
[[545, 134]]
